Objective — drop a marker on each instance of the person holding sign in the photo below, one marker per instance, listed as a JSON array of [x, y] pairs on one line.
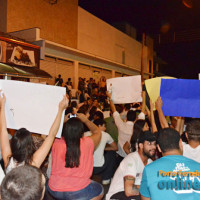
[[21, 149], [72, 162]]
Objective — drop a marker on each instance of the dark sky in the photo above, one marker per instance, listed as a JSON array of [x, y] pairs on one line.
[[162, 17]]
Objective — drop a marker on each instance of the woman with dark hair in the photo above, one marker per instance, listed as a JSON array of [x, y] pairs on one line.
[[21, 150], [72, 162], [139, 126]]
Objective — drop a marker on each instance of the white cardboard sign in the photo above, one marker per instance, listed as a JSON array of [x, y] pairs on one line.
[[31, 105], [125, 89]]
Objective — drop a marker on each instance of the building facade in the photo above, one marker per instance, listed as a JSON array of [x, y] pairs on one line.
[[74, 43]]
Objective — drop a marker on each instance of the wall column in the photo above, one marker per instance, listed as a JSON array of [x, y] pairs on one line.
[[113, 73], [76, 65]]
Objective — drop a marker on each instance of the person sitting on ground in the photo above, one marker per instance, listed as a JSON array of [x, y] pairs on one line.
[[92, 112], [72, 162], [139, 126], [192, 149], [21, 149], [98, 115], [125, 129], [111, 127], [24, 183], [126, 181], [158, 182], [104, 155]]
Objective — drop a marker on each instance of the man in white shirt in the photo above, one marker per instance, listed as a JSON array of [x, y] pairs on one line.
[[192, 149], [104, 154], [126, 181], [125, 129]]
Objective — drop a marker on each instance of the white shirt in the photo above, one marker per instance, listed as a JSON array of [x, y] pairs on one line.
[[99, 152], [125, 131], [132, 165], [2, 175], [192, 153]]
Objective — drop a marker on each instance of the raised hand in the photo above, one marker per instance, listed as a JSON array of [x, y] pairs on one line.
[[64, 103], [159, 103]]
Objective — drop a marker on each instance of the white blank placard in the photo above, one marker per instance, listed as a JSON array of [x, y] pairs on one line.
[[125, 89], [31, 105]]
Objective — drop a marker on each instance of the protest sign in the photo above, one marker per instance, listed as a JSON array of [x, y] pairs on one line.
[[181, 97], [125, 89], [32, 106]]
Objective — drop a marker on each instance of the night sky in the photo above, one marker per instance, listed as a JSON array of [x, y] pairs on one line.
[[162, 17]]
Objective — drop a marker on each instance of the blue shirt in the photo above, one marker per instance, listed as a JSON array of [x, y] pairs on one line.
[[171, 178]]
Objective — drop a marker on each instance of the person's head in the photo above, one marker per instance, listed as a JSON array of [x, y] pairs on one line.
[[72, 132], [119, 108], [92, 112], [139, 126], [95, 90], [147, 144], [98, 115], [127, 106], [95, 102], [193, 130], [22, 146], [59, 75], [74, 104], [83, 109], [169, 140], [173, 122], [131, 115], [101, 124], [24, 183]]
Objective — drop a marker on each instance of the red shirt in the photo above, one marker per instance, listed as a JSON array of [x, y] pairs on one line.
[[64, 179]]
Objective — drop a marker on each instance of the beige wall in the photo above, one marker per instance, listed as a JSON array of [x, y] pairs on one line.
[[60, 26], [99, 38]]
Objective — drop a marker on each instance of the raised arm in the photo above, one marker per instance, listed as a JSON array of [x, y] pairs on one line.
[[180, 125], [143, 101], [152, 119], [112, 105], [40, 155], [5, 144], [162, 119], [96, 133], [127, 147]]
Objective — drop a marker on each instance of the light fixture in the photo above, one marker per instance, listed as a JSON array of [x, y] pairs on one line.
[[188, 3]]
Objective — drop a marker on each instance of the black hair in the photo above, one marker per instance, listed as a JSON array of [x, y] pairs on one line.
[[22, 146], [168, 139], [119, 108], [127, 106], [83, 109], [24, 183], [137, 130], [131, 115], [99, 115], [72, 132], [92, 112], [99, 122], [73, 104], [193, 130]]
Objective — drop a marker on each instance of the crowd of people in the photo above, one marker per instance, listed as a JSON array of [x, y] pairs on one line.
[[135, 149]]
